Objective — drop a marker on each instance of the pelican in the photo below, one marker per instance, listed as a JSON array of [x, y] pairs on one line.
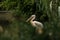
[[59, 11], [50, 5], [38, 25], [1, 29]]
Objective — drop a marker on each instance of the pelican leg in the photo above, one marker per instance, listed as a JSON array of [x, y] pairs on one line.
[[39, 30]]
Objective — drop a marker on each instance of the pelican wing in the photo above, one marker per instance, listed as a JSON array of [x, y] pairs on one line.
[[38, 24]]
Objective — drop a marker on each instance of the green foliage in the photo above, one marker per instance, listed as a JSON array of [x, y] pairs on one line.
[[8, 5], [22, 9]]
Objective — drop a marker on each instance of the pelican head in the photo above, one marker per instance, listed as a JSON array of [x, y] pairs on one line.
[[31, 18]]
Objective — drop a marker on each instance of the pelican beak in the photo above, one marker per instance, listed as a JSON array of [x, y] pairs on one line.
[[28, 19]]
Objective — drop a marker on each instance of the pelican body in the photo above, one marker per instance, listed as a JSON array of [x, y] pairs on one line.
[[38, 25], [50, 5]]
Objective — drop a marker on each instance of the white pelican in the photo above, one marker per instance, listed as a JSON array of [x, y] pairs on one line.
[[50, 5], [59, 11], [1, 29], [38, 25]]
